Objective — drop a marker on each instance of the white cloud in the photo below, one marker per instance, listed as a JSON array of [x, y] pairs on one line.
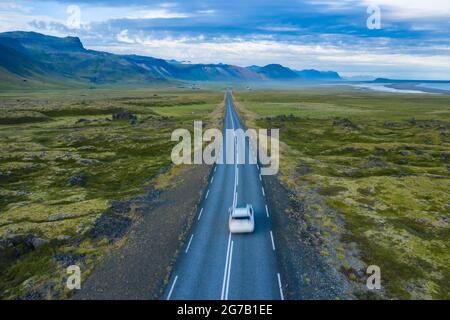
[[299, 56], [394, 9], [162, 13], [208, 12], [413, 9], [122, 36], [420, 62], [10, 21], [13, 6]]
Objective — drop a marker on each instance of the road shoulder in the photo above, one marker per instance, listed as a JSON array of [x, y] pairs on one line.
[[140, 268]]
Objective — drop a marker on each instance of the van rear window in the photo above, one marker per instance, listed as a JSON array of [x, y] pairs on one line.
[[241, 218]]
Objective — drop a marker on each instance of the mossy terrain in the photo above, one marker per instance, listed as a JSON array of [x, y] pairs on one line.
[[372, 169], [69, 163]]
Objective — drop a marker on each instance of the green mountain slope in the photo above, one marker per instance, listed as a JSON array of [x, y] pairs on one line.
[[33, 59]]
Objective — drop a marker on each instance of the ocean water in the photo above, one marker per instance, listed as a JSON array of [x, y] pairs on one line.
[[383, 88], [440, 86]]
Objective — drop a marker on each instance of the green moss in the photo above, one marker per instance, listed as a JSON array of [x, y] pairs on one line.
[[46, 139], [384, 168]]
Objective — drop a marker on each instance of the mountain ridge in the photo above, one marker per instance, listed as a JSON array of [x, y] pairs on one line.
[[27, 55]]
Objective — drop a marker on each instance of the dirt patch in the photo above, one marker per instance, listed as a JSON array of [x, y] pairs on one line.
[[139, 269]]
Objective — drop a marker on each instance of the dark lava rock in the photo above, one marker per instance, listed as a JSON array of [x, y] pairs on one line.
[[120, 206], [78, 179], [412, 121], [13, 246], [419, 152], [303, 170], [124, 115], [34, 295], [76, 243], [111, 226], [12, 239], [404, 153], [35, 242], [88, 162], [83, 121], [388, 124], [282, 118], [346, 123], [349, 149], [67, 259], [124, 206], [375, 163]]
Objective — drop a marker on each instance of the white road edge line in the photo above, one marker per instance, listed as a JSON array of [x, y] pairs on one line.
[[260, 178], [212, 179], [189, 244], [200, 214], [207, 194], [229, 270], [281, 288], [237, 176], [267, 211], [171, 288], [226, 268], [273, 243], [264, 194]]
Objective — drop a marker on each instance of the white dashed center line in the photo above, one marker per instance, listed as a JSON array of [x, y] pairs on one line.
[[225, 273]]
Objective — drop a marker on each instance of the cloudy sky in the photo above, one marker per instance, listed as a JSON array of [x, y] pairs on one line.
[[413, 41]]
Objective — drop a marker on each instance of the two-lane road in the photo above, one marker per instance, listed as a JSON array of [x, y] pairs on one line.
[[215, 264]]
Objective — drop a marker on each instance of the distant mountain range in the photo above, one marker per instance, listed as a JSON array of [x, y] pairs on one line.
[[279, 72], [34, 58]]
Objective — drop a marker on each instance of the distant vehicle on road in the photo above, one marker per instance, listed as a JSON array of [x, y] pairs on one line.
[[241, 219]]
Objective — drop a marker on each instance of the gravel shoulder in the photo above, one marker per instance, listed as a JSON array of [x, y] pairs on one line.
[[140, 267], [306, 274]]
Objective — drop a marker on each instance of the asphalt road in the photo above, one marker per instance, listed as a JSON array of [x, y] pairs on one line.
[[215, 264]]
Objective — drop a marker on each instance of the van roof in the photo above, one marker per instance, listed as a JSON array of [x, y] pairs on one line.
[[240, 212]]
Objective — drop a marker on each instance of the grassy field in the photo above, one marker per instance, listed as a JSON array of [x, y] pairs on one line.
[[70, 162], [372, 169]]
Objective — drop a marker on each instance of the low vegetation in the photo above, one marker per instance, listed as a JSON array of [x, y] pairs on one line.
[[71, 164], [373, 173]]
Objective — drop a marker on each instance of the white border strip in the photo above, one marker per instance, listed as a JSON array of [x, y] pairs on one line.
[[273, 243], [281, 288], [171, 289], [189, 244]]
